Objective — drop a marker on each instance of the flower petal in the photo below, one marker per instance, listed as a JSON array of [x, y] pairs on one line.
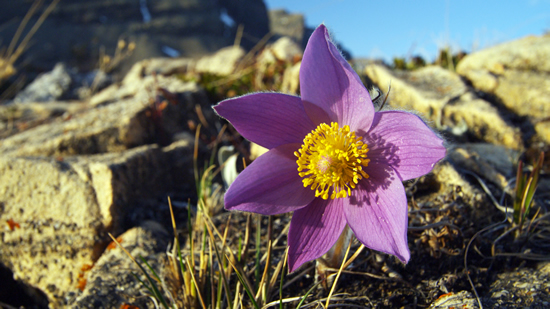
[[377, 212], [267, 119], [270, 185], [403, 141], [314, 230], [328, 81]]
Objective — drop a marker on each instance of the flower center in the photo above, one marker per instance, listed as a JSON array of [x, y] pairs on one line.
[[332, 157]]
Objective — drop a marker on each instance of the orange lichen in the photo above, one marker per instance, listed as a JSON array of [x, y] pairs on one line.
[[112, 245], [12, 224], [81, 284], [86, 267]]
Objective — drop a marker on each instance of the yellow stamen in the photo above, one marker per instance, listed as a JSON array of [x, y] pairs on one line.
[[332, 157]]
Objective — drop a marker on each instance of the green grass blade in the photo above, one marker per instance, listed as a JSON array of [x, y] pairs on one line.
[[533, 181], [307, 294], [239, 248], [150, 268], [156, 291], [220, 290], [153, 287], [196, 285], [520, 186], [189, 234], [144, 284], [222, 270], [245, 285]]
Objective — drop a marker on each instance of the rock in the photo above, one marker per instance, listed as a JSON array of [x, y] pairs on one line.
[[516, 73], [222, 63], [491, 162], [256, 151], [283, 23], [291, 79], [87, 84], [283, 50], [61, 209], [131, 121], [46, 87], [110, 283], [542, 129], [445, 179], [167, 66], [441, 96], [91, 170], [524, 287], [286, 50], [16, 117], [462, 299], [109, 128], [252, 15], [190, 27], [55, 224], [281, 62], [63, 84]]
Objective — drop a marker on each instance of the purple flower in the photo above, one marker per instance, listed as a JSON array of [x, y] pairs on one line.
[[332, 159]]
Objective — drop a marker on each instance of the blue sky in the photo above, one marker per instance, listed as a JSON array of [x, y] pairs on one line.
[[384, 29]]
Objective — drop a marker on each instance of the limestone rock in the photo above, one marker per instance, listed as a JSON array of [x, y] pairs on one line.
[[110, 283], [142, 81], [445, 179], [256, 150], [127, 123], [441, 96], [287, 50], [113, 127], [516, 72], [191, 27], [523, 287], [491, 162], [56, 222], [462, 299], [61, 209], [528, 53], [167, 66], [252, 15], [291, 79], [50, 86], [543, 131], [20, 117], [284, 23], [223, 62]]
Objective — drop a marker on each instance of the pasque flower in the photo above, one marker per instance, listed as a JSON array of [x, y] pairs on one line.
[[332, 159]]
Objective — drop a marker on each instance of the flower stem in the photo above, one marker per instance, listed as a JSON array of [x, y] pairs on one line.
[[334, 258]]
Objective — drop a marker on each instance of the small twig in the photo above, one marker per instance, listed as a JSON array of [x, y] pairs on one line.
[[302, 273], [532, 257], [504, 209], [429, 226]]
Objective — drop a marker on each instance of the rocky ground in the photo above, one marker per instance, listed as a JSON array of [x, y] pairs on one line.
[[80, 162]]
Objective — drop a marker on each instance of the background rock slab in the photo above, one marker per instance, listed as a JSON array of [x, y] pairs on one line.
[[442, 97], [517, 74]]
